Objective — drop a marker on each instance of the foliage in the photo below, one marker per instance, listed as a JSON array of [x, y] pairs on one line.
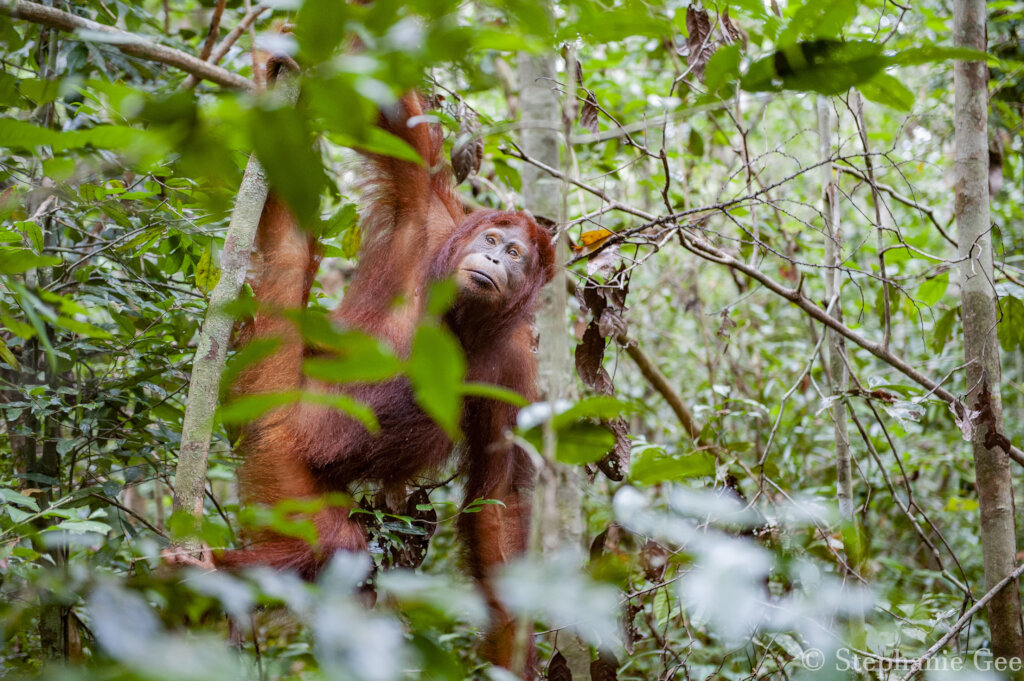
[[719, 555]]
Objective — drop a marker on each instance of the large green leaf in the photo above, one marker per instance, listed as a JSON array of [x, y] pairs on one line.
[[436, 367], [18, 260], [827, 67], [654, 465]]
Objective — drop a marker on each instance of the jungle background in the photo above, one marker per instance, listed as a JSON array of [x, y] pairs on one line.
[[762, 366]]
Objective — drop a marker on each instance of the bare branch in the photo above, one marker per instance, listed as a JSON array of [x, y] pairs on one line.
[[698, 245], [211, 36], [129, 43], [964, 620]]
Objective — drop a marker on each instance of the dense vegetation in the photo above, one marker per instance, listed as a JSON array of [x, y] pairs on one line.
[[724, 179]]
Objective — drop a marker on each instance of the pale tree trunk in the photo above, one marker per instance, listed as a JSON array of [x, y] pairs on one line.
[[838, 373], [211, 351], [557, 499], [980, 315]]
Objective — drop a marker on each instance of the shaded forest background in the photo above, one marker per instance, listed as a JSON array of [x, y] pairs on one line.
[[763, 466]]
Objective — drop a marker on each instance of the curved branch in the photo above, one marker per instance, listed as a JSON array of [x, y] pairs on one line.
[[129, 43]]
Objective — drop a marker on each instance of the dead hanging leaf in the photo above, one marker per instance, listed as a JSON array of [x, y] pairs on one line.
[[588, 113], [604, 261], [699, 44], [606, 306], [631, 632], [775, 9], [590, 358], [731, 30], [605, 667], [611, 323], [467, 155], [725, 326], [615, 463], [547, 223], [654, 560], [965, 419], [558, 668]]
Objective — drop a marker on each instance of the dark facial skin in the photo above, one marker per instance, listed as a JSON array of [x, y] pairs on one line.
[[494, 265]]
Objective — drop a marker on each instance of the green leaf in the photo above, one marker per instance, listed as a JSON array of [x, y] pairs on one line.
[[927, 54], [887, 90], [494, 392], [1011, 325], [320, 28], [355, 358], [819, 19], [18, 260], [723, 68], [250, 407], [351, 241], [343, 220], [653, 465], [932, 290], [7, 356], [207, 274], [293, 165], [583, 442], [81, 526], [943, 330], [596, 407], [436, 367], [827, 67], [384, 143], [9, 496], [81, 328]]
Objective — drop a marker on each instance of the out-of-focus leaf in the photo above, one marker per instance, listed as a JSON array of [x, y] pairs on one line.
[[818, 19], [207, 273], [436, 367], [827, 67], [293, 166], [80, 526], [9, 496], [18, 260], [354, 358], [250, 407], [652, 465], [888, 90], [1011, 326], [932, 290]]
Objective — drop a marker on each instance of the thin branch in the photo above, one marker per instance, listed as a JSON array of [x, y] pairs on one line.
[[659, 382], [698, 245], [129, 43], [211, 36], [928, 211], [229, 40], [915, 668]]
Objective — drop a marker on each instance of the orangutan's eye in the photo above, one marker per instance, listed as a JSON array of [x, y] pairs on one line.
[[491, 240], [513, 253]]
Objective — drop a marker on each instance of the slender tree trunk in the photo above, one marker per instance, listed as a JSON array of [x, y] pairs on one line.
[[211, 352], [980, 315], [838, 373], [558, 517]]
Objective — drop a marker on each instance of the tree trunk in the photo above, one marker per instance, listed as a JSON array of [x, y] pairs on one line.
[[980, 315], [838, 373], [558, 517], [211, 352]]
